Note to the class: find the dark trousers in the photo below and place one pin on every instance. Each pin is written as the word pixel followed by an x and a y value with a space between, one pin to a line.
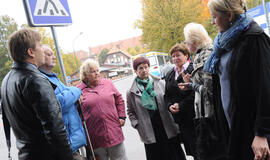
pixel 164 148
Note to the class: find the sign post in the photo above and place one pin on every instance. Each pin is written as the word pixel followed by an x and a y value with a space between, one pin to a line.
pixel 266 15
pixel 260 15
pixel 46 13
pixel 49 13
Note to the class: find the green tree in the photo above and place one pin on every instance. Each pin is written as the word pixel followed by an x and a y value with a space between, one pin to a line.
pixel 132 51
pixel 163 21
pixel 102 56
pixel 7 27
pixel 68 59
pixel 136 50
pixel 70 63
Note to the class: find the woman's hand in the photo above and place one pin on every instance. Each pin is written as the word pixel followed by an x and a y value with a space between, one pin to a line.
pixel 260 148
pixel 174 108
pixel 186 77
pixel 122 122
pixel 183 86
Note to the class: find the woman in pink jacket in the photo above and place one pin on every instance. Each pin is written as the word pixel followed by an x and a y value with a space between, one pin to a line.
pixel 104 111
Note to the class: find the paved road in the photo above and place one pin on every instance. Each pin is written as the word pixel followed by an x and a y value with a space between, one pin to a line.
pixel 134 147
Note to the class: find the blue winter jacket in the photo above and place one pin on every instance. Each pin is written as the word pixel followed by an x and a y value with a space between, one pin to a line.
pixel 67 97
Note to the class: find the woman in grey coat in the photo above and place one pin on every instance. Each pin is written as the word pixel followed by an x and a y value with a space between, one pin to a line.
pixel 150 117
pixel 198 41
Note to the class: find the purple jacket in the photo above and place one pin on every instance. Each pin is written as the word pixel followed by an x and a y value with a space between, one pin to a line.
pixel 102 106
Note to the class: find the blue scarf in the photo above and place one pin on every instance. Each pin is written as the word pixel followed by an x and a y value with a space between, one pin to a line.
pixel 224 42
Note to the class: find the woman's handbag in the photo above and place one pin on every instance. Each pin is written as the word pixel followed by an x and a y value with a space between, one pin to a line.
pixel 209 146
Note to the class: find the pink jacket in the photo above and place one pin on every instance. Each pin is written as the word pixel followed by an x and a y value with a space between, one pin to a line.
pixel 102 106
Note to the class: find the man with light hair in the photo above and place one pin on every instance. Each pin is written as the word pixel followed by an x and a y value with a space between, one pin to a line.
pixel 29 102
pixel 67 97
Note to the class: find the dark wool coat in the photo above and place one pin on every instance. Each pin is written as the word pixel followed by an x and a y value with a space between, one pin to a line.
pixel 249 110
pixel 185 99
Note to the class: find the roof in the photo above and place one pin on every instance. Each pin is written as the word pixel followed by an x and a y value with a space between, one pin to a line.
pixel 122 44
pixel 116 50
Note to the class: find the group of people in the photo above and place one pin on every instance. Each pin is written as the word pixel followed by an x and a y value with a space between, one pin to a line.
pixel 219 100
pixel 216 104
pixel 43 113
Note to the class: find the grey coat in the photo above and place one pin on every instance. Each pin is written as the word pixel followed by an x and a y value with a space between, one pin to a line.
pixel 140 118
pixel 203 84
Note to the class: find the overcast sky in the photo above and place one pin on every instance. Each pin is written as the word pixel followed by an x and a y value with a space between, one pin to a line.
pixel 101 21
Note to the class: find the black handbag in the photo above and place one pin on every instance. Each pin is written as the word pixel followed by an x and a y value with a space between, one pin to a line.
pixel 209 146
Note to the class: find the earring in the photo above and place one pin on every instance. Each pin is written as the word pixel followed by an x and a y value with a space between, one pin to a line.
pixel 230 23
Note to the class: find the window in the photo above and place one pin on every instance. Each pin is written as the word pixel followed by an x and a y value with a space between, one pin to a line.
pixel 152 61
pixel 160 60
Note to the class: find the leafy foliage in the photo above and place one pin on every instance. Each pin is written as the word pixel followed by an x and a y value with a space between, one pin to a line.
pixel 163 21
pixel 254 3
pixel 7 27
pixel 102 56
pixel 68 59
pixel 136 50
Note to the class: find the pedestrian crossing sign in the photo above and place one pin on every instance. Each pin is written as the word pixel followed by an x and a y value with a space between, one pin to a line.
pixel 258 15
pixel 42 13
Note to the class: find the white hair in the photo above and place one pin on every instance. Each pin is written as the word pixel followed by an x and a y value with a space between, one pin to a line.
pixel 196 33
pixel 86 67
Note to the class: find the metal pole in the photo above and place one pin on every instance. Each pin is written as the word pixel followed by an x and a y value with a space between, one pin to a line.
pixel 62 68
pixel 79 108
pixel 266 16
pixel 74 52
pixel 75 57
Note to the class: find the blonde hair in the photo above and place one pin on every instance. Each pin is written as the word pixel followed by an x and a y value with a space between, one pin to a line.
pixel 237 7
pixel 20 41
pixel 197 34
pixel 86 67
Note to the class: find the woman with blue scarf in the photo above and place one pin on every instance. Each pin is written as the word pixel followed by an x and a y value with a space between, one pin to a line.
pixel 150 117
pixel 240 65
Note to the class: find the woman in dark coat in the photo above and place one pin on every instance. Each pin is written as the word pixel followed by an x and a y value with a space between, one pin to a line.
pixel 240 64
pixel 179 102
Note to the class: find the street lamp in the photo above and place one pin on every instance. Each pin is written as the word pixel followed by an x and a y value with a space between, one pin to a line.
pixel 73 43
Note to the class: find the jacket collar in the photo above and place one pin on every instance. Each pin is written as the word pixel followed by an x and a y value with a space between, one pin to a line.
pixel 254 29
pixel 82 85
pixel 47 73
pixel 27 66
pixel 171 73
pixel 134 87
pixel 24 65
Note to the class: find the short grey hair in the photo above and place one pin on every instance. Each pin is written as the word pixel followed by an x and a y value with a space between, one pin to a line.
pixel 195 32
pixel 223 6
pixel 86 67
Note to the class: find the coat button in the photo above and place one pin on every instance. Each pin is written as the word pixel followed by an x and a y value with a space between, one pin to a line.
pixel 137 92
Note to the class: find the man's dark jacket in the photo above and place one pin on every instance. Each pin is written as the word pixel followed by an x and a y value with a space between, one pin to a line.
pixel 31 107
pixel 249 109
